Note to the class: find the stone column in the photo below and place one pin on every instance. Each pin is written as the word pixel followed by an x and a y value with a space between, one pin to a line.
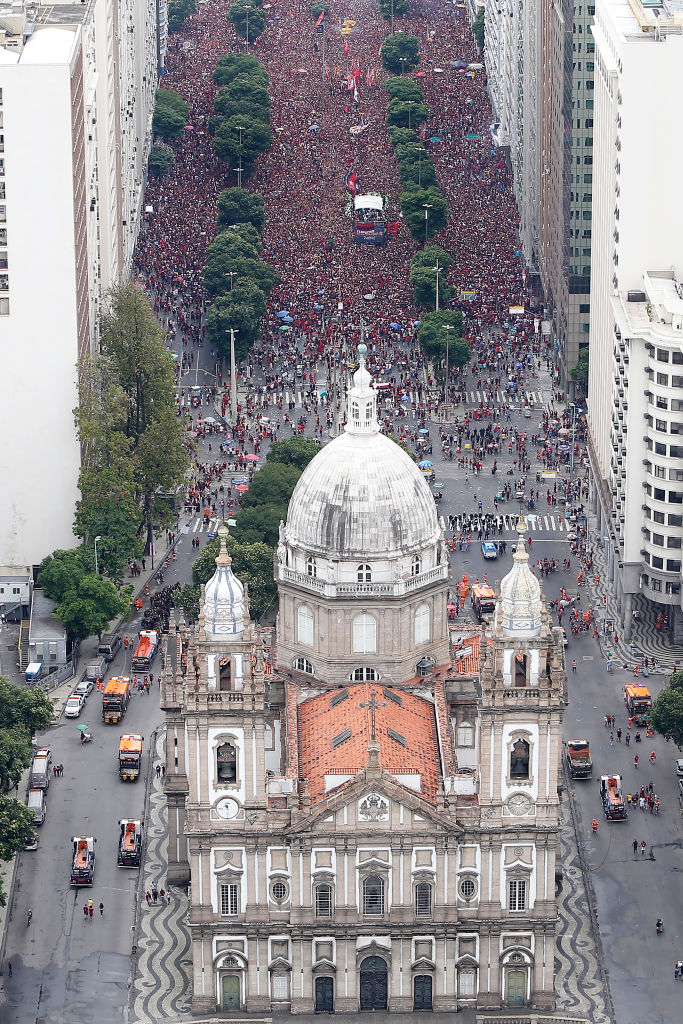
pixel 398 1003
pixel 346 993
pixel 543 997
pixel 203 983
pixel 627 616
pixel 257 994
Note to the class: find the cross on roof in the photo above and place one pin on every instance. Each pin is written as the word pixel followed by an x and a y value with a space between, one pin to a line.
pixel 373 704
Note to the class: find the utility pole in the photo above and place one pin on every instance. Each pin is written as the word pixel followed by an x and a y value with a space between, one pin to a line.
pixel 420 151
pixel 240 129
pixel 392 17
pixel 447 328
pixel 427 207
pixel 233 377
pixel 438 270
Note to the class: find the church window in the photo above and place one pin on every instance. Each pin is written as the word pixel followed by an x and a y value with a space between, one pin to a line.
pixel 303 665
pixel 422 624
pixel 355 413
pixel 416 566
pixel 226 763
pixel 229 900
pixel 467 888
pixel 423 899
pixel 397 737
pixel 517 894
pixel 373 895
pixel 340 738
pixel 363 675
pixel 519 760
pixel 364 634
pixel 323 900
pixel 465 735
pixel 279 891
pixel 304 625
pixel 364 574
pixel 466 982
pixel 311 567
pixel 520 669
pixel 225 680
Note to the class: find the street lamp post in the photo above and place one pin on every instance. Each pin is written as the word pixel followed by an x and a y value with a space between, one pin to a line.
pixel 240 128
pixel 420 151
pixel 409 104
pixel 572 406
pixel 427 207
pixel 437 270
pixel 246 10
pixel 97 572
pixel 233 376
pixel 447 328
pixel 403 61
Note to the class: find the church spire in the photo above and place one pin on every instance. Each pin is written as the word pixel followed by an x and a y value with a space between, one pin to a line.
pixel 362 400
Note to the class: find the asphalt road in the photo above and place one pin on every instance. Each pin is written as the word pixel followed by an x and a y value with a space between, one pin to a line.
pixel 66 968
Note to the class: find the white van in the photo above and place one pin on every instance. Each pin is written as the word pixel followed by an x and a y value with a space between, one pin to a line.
pixel 37 803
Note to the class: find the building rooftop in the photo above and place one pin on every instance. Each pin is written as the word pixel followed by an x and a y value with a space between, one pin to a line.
pixel 646 17
pixel 335 729
pixel 44 623
pixel 658 308
pixel 49 46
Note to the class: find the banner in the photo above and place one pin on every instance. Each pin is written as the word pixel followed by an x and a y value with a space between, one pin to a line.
pixel 319 21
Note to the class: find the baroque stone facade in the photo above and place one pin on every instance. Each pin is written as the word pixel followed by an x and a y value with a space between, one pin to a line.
pixel 356 843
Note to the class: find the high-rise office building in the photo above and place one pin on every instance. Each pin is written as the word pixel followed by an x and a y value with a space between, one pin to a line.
pixel 636 355
pixel 77 86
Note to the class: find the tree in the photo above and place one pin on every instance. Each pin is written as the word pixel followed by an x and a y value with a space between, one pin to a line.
pixel 170 113
pixel 17 829
pixel 406 115
pixel 247 233
pixel 248 20
pixel 231 144
pixel 242 309
pixel 413 205
pixel 667 713
pixel 173 100
pixel 403 89
pixel 579 373
pixel 295 451
pixel 428 256
pixel 216 273
pixel 246 88
pixel 416 173
pixel 260 525
pixel 272 485
pixel 403 136
pixel 403 445
pixel 160 160
pixel 232 65
pixel 423 280
pixel 23 712
pixel 432 337
pixel 393 8
pixel 479 28
pixel 318 8
pixel 90 608
pixel 400 53
pixel 178 11
pixel 108 510
pixel 239 206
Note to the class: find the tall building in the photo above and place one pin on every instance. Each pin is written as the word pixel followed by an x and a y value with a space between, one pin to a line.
pixel 77 86
pixel 636 267
pixel 513 67
pixel 367 821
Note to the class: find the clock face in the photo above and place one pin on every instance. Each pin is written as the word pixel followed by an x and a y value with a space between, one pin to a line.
pixel 519 804
pixel 227 808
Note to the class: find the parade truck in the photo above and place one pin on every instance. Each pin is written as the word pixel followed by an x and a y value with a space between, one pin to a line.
pixel 130 843
pixel 638 700
pixel 115 699
pixel 368 217
pixel 484 602
pixel 148 641
pixel 130 757
pixel 578 757
pixel 83 865
pixel 612 800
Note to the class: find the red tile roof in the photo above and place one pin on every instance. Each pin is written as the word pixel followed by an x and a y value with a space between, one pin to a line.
pixel 468 664
pixel 334 732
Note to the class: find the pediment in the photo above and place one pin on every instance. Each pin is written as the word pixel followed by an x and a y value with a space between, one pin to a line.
pixel 357 791
pixel 423 963
pixel 279 964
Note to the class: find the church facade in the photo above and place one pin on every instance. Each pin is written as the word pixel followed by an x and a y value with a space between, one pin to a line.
pixel 367 815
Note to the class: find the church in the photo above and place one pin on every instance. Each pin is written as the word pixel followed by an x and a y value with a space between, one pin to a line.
pixel 365 808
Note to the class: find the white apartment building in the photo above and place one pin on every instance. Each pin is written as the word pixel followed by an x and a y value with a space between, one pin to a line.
pixel 77 88
pixel 637 227
pixel 512 58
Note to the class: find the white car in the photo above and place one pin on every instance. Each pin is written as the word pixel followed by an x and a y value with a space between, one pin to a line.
pixel 84 688
pixel 74 705
pixel 679 767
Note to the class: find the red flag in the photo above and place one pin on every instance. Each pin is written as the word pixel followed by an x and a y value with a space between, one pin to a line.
pixel 346 47
pixel 322 15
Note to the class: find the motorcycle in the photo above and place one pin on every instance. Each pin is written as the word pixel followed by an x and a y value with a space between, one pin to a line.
pixel 660 926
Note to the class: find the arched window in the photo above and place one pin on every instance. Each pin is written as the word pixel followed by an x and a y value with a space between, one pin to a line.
pixel 364 574
pixel 311 567
pixel 226 763
pixel 304 625
pixel 373 895
pixel 355 412
pixel 423 899
pixel 323 900
pixel 363 675
pixel 364 634
pixel 416 566
pixel 303 665
pixel 519 760
pixel 465 735
pixel 422 624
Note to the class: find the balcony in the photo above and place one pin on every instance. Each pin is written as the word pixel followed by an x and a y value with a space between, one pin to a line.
pixel 397 588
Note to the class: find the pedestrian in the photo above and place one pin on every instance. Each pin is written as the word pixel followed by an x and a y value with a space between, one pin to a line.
pixel 155 894
pixel 635 847
pixel 91 911
pixel 148 897
pixel 162 895
pixel 158 770
pixel 163 771
pixel 676 972
pixel 643 847
pixel 618 735
pixel 611 739
pixel 9 968
pixel 574 665
pixel 101 909
pixel 627 738
pixel 85 911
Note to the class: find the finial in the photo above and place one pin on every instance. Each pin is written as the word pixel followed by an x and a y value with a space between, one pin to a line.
pixel 362 350
pixel 521 528
pixel 223 558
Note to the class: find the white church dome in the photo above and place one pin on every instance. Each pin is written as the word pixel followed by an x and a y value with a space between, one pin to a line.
pixel 362 494
pixel 520 607
pixel 223 596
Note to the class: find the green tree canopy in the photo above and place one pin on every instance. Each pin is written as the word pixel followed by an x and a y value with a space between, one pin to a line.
pixel 160 161
pixel 246 233
pixel 579 373
pixel 295 451
pixel 413 205
pixel 173 100
pixel 404 136
pixel 318 8
pixel 23 712
pixel 245 92
pixel 17 829
pixel 395 7
pixel 251 563
pixel 272 485
pixel 239 206
pixel 416 173
pixel 216 273
pixel 406 115
pixel 233 65
pixel 432 337
pixel 227 243
pixel 404 89
pixel 423 280
pixel 242 309
pixel 255 138
pixel 170 113
pixel 400 53
pixel 248 20
pixel 428 256
pixel 667 710
pixel 260 524
pixel 86 603
pixel 479 28
pixel 178 11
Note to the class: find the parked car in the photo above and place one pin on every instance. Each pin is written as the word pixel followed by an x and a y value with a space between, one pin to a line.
pixel 565 638
pixel 679 767
pixel 33 845
pixel 84 687
pixel 489 549
pixel 109 645
pixel 74 705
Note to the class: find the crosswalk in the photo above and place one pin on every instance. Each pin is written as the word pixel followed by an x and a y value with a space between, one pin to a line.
pixel 536 523
pixel 485 397
pixel 199 526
